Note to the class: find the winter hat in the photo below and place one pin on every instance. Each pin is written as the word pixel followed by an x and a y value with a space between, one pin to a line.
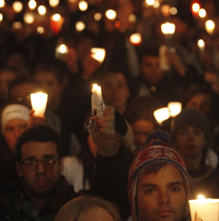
pixel 157 150
pixel 13 111
pixel 189 117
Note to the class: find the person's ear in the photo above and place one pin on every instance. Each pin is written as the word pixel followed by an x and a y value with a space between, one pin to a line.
pixel 19 169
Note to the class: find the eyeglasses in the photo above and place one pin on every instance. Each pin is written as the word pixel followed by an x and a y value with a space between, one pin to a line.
pixel 32 164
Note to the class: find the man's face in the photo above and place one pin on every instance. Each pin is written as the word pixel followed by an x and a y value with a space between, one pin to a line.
pixel 150 69
pixel 190 142
pixel 115 91
pixel 161 196
pixel 48 82
pixel 42 180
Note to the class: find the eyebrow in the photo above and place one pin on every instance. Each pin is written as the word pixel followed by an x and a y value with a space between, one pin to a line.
pixel 44 156
pixel 155 185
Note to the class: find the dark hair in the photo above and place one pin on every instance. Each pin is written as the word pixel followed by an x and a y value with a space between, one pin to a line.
pixel 57 67
pixel 196 89
pixel 141 107
pixel 39 133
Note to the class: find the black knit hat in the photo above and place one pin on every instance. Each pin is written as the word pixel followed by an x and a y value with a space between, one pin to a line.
pixel 189 117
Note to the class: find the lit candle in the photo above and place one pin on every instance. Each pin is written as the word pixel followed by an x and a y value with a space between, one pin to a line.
pixel 168 29
pixel 98 54
pixel 39 102
pixel 201 46
pixel 161 114
pixel 204 209
pixel 174 108
pixel 97 103
pixel 209 26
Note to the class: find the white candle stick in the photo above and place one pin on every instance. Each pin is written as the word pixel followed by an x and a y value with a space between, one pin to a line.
pixel 97 103
pixel 39 102
pixel 204 209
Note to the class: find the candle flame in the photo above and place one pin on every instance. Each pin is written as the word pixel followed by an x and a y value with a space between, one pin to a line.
pixel 200 197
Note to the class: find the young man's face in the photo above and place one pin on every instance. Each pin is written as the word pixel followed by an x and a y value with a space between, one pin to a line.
pixel 40 181
pixel 190 142
pixel 150 69
pixel 115 91
pixel 161 196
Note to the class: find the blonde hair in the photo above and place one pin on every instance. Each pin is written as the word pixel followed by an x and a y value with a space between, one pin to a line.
pixel 75 208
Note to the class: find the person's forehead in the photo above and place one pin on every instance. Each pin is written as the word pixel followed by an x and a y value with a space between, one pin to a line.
pixel 38 149
pixel 15 122
pixel 150 58
pixel 168 174
pixel 114 78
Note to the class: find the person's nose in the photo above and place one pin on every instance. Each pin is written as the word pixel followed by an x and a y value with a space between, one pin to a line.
pixel 40 168
pixel 164 197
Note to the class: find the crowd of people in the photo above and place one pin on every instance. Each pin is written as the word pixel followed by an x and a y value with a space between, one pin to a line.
pixel 72 164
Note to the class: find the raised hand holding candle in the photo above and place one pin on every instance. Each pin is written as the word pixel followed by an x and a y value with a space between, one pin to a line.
pixel 97 103
pixel 204 209
pixel 39 102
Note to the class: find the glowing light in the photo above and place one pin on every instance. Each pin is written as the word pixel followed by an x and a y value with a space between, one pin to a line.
pixel 1 17
pixel 28 18
pixel 80 26
pixel 83 6
pixel 132 18
pixel 42 10
pixel 39 102
pixel 63 49
pixel 161 114
pixel 201 43
pixel 202 13
pixel 17 25
pixel 149 2
pixel 200 197
pixel 40 30
pixel 2 3
pixel 195 7
pixel 98 54
pixel 209 26
pixel 168 28
pixel 32 4
pixel 156 4
pixel 165 9
pixel 111 14
pixel 56 17
pixel 53 3
pixel 135 38
pixel 174 108
pixel 17 6
pixel 173 11
pixel 97 16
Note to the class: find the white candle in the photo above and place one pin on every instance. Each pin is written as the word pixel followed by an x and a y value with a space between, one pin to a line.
pixel 209 26
pixel 161 114
pixel 204 209
pixel 98 54
pixel 39 102
pixel 174 108
pixel 96 98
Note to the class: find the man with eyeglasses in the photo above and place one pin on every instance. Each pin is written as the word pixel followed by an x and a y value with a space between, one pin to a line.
pixel 42 190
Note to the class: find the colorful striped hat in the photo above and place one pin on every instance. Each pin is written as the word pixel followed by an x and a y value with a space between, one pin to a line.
pixel 157 150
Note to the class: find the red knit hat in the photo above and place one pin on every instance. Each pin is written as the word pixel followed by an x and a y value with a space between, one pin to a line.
pixel 158 150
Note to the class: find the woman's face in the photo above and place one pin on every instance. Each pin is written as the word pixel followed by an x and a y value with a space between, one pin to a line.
pixel 190 142
pixel 12 130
